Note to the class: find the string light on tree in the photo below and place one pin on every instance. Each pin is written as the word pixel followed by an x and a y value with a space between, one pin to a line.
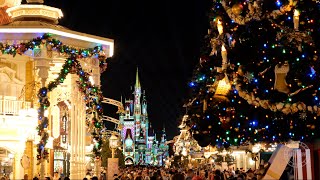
pixel 278 80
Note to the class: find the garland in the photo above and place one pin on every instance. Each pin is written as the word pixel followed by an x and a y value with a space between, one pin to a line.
pixel 284 107
pixel 255 11
pixel 92 94
pixel 57 45
pixel 289 36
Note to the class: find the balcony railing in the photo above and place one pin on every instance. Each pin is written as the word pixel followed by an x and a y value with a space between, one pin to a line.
pixel 10 106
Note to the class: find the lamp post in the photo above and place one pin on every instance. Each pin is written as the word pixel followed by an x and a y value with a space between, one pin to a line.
pixel 113 144
pixel 113 162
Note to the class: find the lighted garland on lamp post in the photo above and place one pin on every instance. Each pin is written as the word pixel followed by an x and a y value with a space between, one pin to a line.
pixel 93 94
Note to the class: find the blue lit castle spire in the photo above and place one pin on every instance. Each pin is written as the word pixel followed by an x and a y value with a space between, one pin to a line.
pixel 139 145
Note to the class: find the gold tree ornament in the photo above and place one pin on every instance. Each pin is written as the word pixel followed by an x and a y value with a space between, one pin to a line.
pixel 205 105
pixel 281 71
pixel 237 9
pixel 224 86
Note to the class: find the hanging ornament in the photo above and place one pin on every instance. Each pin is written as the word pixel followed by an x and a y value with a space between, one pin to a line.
pixel 281 71
pixel 237 9
pixel 205 105
pixel 224 86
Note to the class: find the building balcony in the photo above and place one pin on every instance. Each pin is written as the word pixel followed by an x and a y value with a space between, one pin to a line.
pixel 10 106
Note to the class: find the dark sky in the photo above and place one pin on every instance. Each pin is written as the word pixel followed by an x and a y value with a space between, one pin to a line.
pixel 162 38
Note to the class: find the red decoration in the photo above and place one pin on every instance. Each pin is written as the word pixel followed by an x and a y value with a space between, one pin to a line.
pixel 4 17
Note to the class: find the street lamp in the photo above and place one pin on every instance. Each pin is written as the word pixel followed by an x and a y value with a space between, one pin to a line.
pixel 113 143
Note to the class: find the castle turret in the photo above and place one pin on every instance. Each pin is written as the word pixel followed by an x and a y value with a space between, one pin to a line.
pixel 137 95
pixel 137 106
pixel 144 104
pixel 163 137
pixel 146 145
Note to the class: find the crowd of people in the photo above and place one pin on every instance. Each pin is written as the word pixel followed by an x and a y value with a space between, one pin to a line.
pixel 159 173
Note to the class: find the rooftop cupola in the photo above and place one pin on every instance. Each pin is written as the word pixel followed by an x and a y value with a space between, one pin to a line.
pixel 34 10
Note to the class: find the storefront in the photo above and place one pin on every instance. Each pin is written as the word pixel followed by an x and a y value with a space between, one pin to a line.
pixel 6 163
pixel 61 161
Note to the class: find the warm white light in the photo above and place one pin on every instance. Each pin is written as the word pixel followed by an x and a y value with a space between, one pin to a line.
pixel 256 148
pixel 55 76
pixel 296 13
pixel 23 112
pixel 113 141
pixel 50 143
pixel 32 113
pixel 224 152
pixel 219 26
pixel 61 33
pixel 184 151
pixel 11 156
pixel 55 122
pixel 251 162
pixel 207 155
pixel 223 48
pixel 46 113
pixel 91 80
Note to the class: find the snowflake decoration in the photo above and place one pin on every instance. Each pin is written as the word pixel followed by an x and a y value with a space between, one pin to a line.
pixel 249 76
pixel 303 115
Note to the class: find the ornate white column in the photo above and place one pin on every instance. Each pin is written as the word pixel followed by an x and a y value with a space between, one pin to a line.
pixel 73 167
pixel 245 160
pixel 78 105
pixel 18 168
pixel 82 130
pixel 42 63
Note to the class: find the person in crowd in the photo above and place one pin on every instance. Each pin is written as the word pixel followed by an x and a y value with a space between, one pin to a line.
pixel 94 178
pixel 190 174
pixel 181 173
pixel 56 176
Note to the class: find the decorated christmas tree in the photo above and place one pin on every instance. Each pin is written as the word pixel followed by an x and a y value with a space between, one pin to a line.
pixel 257 79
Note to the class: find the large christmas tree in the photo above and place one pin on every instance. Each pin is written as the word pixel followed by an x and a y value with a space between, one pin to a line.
pixel 257 79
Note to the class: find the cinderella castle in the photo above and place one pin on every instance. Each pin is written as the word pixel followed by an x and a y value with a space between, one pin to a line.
pixel 140 143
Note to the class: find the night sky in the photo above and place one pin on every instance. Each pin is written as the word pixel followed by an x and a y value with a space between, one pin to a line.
pixel 162 38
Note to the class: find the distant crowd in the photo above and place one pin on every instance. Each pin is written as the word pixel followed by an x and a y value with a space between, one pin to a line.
pixel 154 173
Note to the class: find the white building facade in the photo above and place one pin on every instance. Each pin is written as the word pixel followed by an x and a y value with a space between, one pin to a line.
pixel 22 75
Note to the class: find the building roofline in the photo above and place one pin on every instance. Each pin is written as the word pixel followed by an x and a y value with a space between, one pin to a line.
pixel 61 32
